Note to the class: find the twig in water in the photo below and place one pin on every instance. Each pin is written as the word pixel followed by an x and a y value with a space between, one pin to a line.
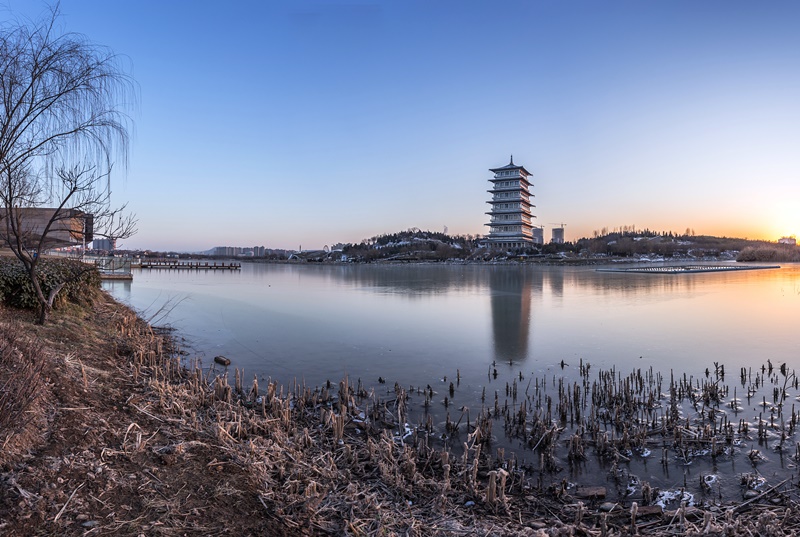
pixel 751 500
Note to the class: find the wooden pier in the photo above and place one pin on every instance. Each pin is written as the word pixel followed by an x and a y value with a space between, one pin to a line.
pixel 189 265
pixel 124 276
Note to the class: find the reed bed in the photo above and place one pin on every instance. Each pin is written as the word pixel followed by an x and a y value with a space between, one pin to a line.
pixel 341 459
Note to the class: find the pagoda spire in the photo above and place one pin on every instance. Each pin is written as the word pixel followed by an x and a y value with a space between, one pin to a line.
pixel 512 160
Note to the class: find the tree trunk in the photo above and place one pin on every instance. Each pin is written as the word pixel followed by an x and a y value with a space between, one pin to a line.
pixel 44 305
pixel 47 305
pixel 44 313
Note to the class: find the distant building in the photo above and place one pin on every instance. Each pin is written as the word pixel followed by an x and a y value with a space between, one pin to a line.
pixel 788 240
pixel 227 251
pixel 538 235
pixel 70 228
pixel 558 235
pixel 510 217
pixel 108 245
pixel 239 251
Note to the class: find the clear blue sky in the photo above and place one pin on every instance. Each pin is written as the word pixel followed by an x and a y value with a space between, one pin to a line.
pixel 309 123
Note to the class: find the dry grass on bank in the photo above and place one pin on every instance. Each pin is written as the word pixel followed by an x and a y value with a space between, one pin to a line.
pixel 770 253
pixel 110 435
pixel 22 392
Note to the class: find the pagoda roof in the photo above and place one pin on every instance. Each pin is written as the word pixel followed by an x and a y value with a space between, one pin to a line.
pixel 510 166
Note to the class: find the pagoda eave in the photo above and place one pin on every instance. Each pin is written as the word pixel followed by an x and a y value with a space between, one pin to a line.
pixel 520 179
pixel 510 168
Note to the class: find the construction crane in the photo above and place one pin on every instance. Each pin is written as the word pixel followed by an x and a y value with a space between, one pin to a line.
pixel 562 225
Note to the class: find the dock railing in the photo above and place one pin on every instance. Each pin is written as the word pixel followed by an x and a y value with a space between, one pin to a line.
pixel 117 267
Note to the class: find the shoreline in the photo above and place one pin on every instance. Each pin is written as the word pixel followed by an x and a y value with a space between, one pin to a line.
pixel 550 261
pixel 122 439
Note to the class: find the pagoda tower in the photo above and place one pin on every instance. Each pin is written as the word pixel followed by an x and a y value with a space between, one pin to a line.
pixel 510 218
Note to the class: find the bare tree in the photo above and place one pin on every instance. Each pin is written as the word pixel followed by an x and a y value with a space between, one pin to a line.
pixel 62 120
pixel 84 212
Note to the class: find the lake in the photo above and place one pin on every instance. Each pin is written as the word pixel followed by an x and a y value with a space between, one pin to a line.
pixel 487 328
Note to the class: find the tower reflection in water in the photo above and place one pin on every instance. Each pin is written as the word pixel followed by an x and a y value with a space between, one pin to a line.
pixel 511 293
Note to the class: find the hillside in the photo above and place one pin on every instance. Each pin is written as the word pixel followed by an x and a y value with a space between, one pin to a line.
pixel 416 245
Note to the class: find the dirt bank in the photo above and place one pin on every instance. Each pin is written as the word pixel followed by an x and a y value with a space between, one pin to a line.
pixel 104 432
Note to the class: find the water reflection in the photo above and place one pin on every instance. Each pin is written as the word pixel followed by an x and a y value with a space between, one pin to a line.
pixel 411 280
pixel 510 296
pixel 415 280
pixel 121 289
pixel 333 319
pixel 556 282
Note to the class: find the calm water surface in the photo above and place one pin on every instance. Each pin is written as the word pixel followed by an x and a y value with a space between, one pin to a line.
pixel 417 325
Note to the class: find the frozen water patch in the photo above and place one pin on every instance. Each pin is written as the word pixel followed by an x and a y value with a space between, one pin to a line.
pixel 667 497
pixel 407 431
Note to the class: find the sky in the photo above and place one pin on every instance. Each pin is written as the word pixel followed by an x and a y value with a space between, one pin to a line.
pixel 304 124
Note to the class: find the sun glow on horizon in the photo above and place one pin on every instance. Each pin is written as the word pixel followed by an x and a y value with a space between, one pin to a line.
pixel 785 219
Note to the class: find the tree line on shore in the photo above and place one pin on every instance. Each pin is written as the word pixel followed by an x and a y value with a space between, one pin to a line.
pixel 625 242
